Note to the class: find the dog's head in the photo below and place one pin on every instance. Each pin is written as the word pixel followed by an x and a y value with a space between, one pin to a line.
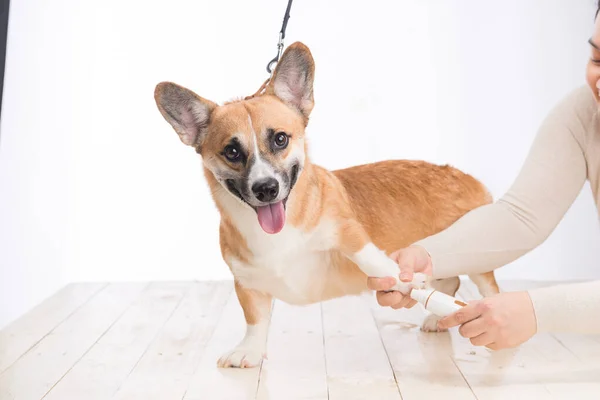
pixel 254 148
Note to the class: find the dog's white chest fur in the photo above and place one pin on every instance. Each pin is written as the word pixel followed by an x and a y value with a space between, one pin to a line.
pixel 291 265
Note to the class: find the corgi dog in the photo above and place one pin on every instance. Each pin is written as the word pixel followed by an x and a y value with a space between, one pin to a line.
pixel 295 231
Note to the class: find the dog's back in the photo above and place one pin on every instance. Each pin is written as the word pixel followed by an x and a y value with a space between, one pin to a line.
pixel 399 201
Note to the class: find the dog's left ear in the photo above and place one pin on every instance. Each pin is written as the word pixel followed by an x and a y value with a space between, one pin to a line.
pixel 293 78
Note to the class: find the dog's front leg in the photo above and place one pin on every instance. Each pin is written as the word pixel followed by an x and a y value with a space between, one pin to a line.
pixel 355 244
pixel 252 349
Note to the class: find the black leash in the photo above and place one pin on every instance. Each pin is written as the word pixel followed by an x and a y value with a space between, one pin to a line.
pixel 275 60
pixel 281 37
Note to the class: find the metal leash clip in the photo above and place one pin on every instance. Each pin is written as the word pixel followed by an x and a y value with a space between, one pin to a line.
pixel 275 60
pixel 286 17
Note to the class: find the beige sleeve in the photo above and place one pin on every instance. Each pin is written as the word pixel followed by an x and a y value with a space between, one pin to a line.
pixel 571 307
pixel 548 183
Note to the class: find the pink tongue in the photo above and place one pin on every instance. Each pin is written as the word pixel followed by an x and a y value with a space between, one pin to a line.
pixel 272 217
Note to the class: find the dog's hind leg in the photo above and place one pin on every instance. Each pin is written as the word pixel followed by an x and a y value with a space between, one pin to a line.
pixel 486 283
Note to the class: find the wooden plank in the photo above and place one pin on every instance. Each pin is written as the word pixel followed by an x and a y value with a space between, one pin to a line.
pixel 422 362
pixel 20 336
pixel 103 369
pixel 110 342
pixel 579 379
pixel 34 374
pixel 165 369
pixel 295 368
pixel 224 383
pixel 584 347
pixel 357 364
pixel 565 373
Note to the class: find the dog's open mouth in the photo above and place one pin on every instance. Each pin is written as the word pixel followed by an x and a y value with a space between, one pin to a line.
pixel 271 217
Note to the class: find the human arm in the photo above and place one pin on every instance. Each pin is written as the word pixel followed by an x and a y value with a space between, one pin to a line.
pixel 550 179
pixel 509 319
pixel 496 234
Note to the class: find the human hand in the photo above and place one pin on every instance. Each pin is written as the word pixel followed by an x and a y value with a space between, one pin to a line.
pixel 410 260
pixel 501 321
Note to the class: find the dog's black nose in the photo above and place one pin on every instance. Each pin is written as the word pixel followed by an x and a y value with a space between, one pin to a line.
pixel 266 189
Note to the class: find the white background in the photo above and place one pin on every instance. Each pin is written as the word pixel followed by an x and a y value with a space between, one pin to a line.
pixel 95 185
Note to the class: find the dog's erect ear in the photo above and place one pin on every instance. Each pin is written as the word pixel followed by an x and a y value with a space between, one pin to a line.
pixel 293 77
pixel 188 113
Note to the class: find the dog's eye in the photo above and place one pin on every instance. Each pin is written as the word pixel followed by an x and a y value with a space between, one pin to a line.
pixel 280 140
pixel 232 153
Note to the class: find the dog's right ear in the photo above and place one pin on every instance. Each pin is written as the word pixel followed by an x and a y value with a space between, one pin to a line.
pixel 188 113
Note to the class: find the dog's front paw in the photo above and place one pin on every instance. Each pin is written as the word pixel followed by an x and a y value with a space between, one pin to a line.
pixel 241 357
pixel 430 324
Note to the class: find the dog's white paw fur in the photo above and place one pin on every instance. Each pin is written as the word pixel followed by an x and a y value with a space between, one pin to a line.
pixel 242 357
pixel 421 281
pixel 430 324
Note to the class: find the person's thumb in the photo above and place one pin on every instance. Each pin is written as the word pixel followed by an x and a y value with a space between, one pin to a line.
pixel 396 254
pixel 406 276
pixel 406 265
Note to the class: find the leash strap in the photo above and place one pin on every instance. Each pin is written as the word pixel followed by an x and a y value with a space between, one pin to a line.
pixel 275 60
pixel 286 17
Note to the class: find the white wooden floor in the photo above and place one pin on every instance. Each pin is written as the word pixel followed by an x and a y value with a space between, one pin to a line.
pixel 161 341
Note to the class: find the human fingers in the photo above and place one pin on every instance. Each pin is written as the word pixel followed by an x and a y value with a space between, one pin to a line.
pixel 485 339
pixel 473 328
pixel 406 263
pixel 381 283
pixel 403 303
pixel 464 315
pixel 388 299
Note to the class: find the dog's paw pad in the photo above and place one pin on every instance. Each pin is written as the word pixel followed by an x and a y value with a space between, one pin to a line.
pixel 430 324
pixel 241 358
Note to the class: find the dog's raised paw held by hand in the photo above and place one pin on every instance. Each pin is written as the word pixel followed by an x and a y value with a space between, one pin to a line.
pixel 241 357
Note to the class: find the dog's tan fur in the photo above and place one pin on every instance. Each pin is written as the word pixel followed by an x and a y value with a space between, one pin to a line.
pixel 386 205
